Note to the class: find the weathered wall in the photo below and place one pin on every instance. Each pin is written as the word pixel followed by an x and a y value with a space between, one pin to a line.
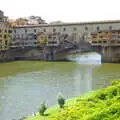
pixel 26 53
pixel 109 54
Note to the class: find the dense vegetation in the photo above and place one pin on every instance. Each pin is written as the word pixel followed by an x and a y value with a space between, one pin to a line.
pixel 103 104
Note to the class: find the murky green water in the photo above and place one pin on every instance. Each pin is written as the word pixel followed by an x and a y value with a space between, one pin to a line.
pixel 23 85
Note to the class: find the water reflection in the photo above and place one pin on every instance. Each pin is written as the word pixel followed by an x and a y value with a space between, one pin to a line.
pixel 86 58
pixel 21 94
pixel 82 79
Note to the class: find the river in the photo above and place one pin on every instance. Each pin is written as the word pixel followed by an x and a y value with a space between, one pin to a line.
pixel 25 84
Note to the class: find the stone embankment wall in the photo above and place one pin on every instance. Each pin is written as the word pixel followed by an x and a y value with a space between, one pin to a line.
pixel 22 54
pixel 109 54
pixel 26 54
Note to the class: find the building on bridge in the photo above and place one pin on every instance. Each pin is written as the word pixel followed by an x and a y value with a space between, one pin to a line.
pixel 25 36
pixel 105 38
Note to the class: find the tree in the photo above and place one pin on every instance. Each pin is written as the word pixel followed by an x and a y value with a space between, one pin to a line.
pixel 42 108
pixel 61 100
pixel 18 21
pixel 12 22
pixel 21 21
pixel 35 20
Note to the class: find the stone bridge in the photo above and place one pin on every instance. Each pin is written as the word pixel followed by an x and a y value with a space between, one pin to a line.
pixel 109 50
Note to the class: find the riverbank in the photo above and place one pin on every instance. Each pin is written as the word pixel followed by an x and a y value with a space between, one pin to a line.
pixel 97 105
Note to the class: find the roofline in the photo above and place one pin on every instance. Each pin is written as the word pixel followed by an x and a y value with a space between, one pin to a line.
pixel 67 24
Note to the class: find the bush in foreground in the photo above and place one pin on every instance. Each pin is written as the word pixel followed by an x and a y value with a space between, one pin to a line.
pixel 103 104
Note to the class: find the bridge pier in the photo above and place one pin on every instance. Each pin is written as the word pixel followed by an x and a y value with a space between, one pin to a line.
pixel 111 54
pixel 49 54
pixel 108 53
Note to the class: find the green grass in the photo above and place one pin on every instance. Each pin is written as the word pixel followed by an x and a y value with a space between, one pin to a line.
pixel 103 104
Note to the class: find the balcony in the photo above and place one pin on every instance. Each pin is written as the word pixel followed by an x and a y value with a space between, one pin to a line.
pixel 105 42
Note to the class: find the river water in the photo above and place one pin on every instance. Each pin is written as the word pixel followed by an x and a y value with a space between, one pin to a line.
pixel 25 84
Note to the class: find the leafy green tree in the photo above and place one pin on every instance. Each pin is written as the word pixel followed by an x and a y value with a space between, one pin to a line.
pixel 42 108
pixel 61 100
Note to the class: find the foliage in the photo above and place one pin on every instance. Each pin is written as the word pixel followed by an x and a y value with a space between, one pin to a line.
pixel 31 20
pixel 42 108
pixel 61 100
pixel 103 104
pixel 35 20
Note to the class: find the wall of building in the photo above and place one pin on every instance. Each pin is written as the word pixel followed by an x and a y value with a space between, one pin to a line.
pixel 77 31
pixel 5 33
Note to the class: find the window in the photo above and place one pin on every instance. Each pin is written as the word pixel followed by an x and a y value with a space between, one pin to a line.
pixel 98 28
pixel 54 30
pixel 35 37
pixel 44 30
pixel 52 42
pixel 5 31
pixel 22 35
pixel 10 31
pixel 86 28
pixel 64 29
pixel 25 30
pixel 110 27
pixel 34 30
pixel 5 36
pixel 6 42
pixel 14 31
pixel 75 29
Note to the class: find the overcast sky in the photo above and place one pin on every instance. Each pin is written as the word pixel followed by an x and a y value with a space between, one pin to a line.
pixel 64 10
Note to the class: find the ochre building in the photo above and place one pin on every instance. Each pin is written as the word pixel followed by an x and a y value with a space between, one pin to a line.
pixel 5 33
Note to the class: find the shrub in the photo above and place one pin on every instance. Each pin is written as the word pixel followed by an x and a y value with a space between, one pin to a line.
pixel 61 100
pixel 42 108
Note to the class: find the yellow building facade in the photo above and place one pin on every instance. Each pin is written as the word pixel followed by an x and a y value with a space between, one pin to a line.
pixel 5 33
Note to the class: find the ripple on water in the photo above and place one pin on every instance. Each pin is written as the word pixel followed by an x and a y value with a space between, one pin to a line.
pixel 25 91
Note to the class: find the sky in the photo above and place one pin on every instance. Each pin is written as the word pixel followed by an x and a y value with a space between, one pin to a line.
pixel 63 10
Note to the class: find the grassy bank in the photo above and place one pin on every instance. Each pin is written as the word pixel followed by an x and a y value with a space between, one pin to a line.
pixel 103 104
